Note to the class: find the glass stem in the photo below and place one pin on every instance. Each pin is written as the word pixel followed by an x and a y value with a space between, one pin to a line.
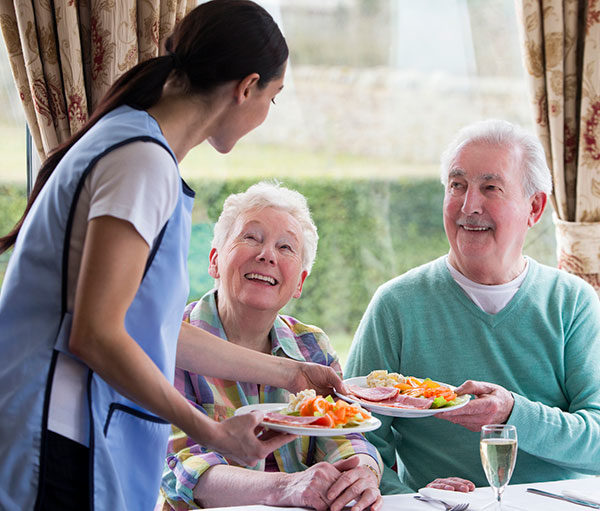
pixel 499 499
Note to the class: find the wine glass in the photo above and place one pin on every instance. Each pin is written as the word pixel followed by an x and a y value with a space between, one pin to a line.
pixel 498 448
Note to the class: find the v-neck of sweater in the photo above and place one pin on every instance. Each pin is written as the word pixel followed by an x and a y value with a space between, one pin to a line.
pixel 492 320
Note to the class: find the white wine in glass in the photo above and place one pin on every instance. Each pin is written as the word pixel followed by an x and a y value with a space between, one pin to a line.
pixel 498 448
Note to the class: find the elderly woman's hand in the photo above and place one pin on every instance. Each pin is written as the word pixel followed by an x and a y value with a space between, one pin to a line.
pixel 331 486
pixel 308 375
pixel 358 483
pixel 309 487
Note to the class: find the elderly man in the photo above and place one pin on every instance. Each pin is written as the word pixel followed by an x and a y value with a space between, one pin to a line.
pixel 524 335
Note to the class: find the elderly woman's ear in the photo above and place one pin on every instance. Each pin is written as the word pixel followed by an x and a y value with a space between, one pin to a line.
pixel 213 266
pixel 298 291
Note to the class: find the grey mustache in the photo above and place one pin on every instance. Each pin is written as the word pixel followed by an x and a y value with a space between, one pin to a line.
pixel 471 222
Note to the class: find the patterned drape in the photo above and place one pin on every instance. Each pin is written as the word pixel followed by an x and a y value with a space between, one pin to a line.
pixel 65 54
pixel 561 52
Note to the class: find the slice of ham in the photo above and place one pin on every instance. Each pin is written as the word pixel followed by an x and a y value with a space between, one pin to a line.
pixel 404 401
pixel 388 396
pixel 291 420
pixel 373 393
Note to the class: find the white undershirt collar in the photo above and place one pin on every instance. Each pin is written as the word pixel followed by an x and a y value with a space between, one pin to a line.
pixel 491 299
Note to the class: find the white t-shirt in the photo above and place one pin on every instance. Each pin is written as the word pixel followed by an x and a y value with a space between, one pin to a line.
pixel 138 182
pixel 491 299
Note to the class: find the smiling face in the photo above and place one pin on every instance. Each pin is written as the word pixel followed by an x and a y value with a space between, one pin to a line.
pixel 260 264
pixel 248 111
pixel 486 213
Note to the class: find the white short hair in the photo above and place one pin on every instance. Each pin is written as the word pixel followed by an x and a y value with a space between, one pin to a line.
pixel 536 175
pixel 264 195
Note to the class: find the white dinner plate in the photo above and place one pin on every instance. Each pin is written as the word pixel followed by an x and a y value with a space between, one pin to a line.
pixel 407 413
pixel 368 425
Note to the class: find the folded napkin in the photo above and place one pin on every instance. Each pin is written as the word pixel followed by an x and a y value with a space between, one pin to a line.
pixel 478 501
pixel 591 496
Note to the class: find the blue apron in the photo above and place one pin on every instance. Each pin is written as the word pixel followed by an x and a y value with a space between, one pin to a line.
pixel 127 443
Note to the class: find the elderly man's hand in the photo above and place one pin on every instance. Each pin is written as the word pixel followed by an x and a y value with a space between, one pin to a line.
pixel 492 406
pixel 308 375
pixel 452 484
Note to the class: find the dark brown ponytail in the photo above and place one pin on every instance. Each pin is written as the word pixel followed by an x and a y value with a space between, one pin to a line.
pixel 218 41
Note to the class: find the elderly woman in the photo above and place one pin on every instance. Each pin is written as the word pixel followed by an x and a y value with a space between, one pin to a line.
pixel 264 245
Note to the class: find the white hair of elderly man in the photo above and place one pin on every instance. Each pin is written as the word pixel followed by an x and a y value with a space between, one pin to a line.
pixel 537 176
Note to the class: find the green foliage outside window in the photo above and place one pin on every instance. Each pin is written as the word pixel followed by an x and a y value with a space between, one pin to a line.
pixel 12 204
pixel 369 230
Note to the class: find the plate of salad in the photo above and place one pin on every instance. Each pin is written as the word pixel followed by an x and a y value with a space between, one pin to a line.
pixel 402 396
pixel 307 414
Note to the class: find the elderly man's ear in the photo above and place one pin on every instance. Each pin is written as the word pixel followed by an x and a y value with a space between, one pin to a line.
pixel 538 203
pixel 213 266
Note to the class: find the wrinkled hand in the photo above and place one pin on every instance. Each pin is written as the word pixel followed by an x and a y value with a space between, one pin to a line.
pixel 308 375
pixel 452 483
pixel 332 485
pixel 357 483
pixel 309 487
pixel 241 439
pixel 493 405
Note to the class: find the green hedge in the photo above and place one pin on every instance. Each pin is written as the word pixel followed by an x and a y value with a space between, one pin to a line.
pixel 12 204
pixel 370 231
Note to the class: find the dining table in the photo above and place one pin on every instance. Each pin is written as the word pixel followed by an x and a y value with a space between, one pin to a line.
pixel 515 496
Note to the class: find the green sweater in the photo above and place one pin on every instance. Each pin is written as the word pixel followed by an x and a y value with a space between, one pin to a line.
pixel 544 347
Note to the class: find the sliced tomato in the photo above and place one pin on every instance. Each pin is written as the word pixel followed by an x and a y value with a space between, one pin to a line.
pixel 308 408
pixel 321 405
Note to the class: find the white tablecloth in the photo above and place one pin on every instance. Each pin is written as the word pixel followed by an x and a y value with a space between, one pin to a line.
pixel 514 495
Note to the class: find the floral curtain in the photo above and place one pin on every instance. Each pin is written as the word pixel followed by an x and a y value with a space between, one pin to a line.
pixel 65 54
pixel 561 52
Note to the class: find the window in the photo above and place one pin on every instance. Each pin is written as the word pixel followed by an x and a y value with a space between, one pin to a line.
pixel 13 162
pixel 375 89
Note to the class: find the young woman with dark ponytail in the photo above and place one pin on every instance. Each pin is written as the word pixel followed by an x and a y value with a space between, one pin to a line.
pixel 94 293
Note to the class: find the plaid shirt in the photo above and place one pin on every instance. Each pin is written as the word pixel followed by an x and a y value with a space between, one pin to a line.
pixel 187 461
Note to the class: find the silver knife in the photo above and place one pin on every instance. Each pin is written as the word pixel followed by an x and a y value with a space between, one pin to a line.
pixel 562 497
